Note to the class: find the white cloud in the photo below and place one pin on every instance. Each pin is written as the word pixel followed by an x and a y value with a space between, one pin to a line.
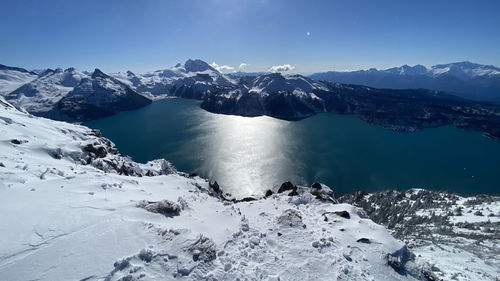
pixel 281 68
pixel 222 68
pixel 243 65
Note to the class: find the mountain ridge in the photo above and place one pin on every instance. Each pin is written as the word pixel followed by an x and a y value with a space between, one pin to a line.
pixel 289 97
pixel 465 79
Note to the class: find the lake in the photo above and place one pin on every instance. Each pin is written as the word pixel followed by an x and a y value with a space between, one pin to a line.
pixel 247 156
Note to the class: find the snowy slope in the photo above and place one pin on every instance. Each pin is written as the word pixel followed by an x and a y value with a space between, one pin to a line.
pixel 98 96
pixel 12 78
pixel 42 94
pixel 70 212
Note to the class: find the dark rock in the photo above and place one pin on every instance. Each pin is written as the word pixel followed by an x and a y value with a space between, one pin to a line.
pixel 279 234
pixel 121 264
pixel 364 240
pixel 96 132
pixel 14 141
pixel 286 186
pixel 268 193
pixel 99 150
pixel 146 255
pixel 316 185
pixel 294 192
pixel 322 192
pixel 246 199
pixel 215 186
pixel 344 214
pixel 398 259
pixel 2 164
pixel 192 175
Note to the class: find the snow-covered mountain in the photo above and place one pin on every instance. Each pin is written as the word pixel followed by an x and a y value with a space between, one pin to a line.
pixel 73 95
pixel 98 96
pixel 41 95
pixel 12 78
pixel 294 97
pixel 288 97
pixel 194 76
pixel 464 70
pixel 72 208
pixel 68 94
pixel 464 79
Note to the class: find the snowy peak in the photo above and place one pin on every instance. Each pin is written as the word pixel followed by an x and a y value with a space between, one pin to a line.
pixel 194 76
pixel 99 74
pixel 99 96
pixel 197 66
pixel 465 70
pixel 409 70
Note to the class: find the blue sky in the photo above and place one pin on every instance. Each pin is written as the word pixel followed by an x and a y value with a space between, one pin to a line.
pixel 309 35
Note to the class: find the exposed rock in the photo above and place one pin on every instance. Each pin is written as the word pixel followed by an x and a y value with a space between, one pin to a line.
pixel 268 193
pixel 322 192
pixel 364 240
pixel 294 192
pixel 291 218
pixel 344 214
pixel 247 199
pixel 204 250
pixel 99 150
pixel 215 186
pixel 16 141
pixel 164 207
pixel 146 255
pixel 286 186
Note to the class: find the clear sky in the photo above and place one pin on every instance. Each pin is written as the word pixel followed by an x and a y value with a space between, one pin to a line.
pixel 309 35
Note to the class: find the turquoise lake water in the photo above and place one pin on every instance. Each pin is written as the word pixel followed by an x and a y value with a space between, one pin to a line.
pixel 249 155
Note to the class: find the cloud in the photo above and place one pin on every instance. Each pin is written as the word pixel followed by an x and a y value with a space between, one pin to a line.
pixel 222 68
pixel 243 65
pixel 281 68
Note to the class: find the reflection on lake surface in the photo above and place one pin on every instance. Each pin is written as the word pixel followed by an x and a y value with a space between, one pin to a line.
pixel 249 155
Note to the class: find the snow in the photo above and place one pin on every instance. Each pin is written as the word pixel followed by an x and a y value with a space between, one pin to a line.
pixel 68 216
pixel 11 79
pixel 41 94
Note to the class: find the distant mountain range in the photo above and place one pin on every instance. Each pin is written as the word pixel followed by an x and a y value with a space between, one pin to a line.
pixel 73 95
pixel 463 79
